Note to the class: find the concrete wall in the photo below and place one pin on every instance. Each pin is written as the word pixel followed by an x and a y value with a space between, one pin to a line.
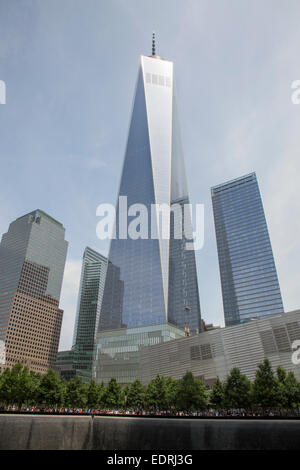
pixel 113 433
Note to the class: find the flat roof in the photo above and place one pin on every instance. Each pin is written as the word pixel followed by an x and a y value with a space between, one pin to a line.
pixel 42 213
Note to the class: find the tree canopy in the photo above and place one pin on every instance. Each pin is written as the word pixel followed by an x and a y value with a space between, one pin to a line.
pixel 280 390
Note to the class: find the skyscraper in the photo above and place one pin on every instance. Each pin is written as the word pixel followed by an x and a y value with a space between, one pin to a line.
pixel 151 290
pixel 32 261
pixel 250 286
pixel 93 273
pixel 155 279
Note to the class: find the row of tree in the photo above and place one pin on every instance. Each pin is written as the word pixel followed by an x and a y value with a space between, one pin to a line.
pixel 20 387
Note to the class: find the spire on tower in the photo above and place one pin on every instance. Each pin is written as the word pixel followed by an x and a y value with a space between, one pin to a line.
pixel 153 44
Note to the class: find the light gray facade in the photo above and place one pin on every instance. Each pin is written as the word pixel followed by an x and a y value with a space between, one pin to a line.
pixel 214 353
pixel 38 238
pixel 32 260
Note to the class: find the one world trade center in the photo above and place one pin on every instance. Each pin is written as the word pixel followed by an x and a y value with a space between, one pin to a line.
pixel 152 280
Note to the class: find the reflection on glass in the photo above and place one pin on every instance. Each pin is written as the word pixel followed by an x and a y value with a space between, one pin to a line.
pixel 249 280
pixel 151 281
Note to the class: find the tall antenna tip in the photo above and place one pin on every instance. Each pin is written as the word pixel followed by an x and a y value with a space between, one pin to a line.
pixel 153 43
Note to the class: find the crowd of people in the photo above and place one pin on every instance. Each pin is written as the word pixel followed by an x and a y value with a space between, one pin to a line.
pixel 141 412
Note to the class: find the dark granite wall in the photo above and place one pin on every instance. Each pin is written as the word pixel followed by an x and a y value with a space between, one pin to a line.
pixel 113 433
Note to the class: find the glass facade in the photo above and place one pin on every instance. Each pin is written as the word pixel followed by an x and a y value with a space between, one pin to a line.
pixel 152 280
pixel 118 351
pixel 250 286
pixel 93 273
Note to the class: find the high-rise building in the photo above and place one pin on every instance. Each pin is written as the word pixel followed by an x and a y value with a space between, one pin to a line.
pixel 151 290
pixel 32 261
pixel 79 360
pixel 157 276
pixel 93 273
pixel 250 286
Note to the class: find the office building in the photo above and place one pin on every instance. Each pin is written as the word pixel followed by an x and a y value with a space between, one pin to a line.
pixel 250 286
pixel 151 279
pixel 78 360
pixel 157 276
pixel 32 260
pixel 93 274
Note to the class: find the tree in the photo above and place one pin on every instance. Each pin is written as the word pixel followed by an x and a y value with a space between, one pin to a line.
pixel 15 379
pixel 15 385
pixel 192 394
pixel 76 393
pixel 237 390
pixel 217 395
pixel 171 387
pixel 93 395
pixel 113 395
pixel 101 389
pixel 135 395
pixel 5 387
pixel 281 387
pixel 35 387
pixel 288 389
pixel 156 393
pixel 265 386
pixel 24 386
pixel 292 390
pixel 51 390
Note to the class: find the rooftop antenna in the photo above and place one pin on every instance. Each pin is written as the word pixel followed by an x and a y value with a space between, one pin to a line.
pixel 153 44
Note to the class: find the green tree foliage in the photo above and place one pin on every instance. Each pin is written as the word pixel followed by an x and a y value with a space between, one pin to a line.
pixel 24 387
pixel 16 386
pixel 51 390
pixel 5 387
pixel 265 386
pixel 156 393
pixel 237 390
pixel 288 389
pixel 19 387
pixel 101 389
pixel 171 387
pixel 93 395
pixel 35 388
pixel 217 395
pixel 192 394
pixel 135 395
pixel 292 391
pixel 113 395
pixel 76 393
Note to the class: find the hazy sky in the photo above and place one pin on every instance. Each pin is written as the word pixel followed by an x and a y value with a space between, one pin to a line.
pixel 70 68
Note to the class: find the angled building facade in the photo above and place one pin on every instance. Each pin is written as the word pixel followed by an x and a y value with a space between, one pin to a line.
pixel 151 290
pixel 32 260
pixel 154 279
pixel 93 273
pixel 250 286
pixel 79 360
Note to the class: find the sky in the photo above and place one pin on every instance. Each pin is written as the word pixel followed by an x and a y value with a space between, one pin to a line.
pixel 70 68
